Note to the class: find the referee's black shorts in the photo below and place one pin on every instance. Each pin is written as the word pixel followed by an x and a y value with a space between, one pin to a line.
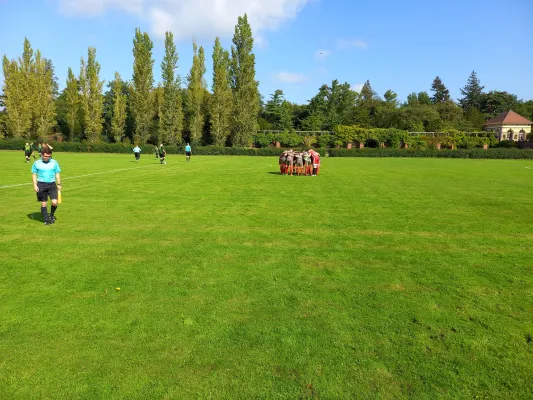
pixel 46 189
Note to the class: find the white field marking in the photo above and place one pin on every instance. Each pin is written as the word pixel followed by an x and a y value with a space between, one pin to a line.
pixel 80 176
pixel 529 167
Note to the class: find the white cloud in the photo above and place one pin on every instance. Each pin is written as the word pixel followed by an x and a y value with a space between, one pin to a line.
pixel 290 77
pixel 322 54
pixel 357 87
pixel 344 44
pixel 188 18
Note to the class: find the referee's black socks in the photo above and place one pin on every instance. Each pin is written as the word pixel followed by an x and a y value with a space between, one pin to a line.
pixel 44 211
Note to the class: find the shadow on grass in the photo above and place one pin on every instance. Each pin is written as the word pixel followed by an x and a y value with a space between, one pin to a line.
pixel 36 216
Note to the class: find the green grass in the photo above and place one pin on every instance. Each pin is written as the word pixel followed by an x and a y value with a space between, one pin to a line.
pixel 378 279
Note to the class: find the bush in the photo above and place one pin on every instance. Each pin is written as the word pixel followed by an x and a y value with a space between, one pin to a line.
pixel 445 153
pixel 495 153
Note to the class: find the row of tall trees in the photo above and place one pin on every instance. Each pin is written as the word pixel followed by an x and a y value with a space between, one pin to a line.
pixel 137 111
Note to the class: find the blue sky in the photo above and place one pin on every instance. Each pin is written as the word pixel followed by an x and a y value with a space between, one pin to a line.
pixel 300 44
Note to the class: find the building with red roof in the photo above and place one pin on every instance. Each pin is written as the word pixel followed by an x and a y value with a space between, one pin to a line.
pixel 509 125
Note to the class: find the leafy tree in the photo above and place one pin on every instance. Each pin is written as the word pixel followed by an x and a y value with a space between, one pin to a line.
pixel 441 93
pixel 245 87
pixel 474 119
pixel 331 106
pixel 386 115
pixel 44 111
pixel 391 98
pixel 424 99
pixel 286 116
pixel 72 99
pixel 412 99
pixel 220 107
pixel 143 81
pixel 53 78
pixel 450 114
pixel 495 102
pixel 366 106
pixel 18 92
pixel 195 94
pixel 472 93
pixel 157 115
pixel 118 120
pixel 172 109
pixel 273 109
pixel 91 98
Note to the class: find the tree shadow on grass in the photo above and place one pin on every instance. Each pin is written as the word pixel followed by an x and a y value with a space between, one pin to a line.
pixel 36 216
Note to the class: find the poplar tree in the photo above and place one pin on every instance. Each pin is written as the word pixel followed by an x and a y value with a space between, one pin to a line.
pixel 92 100
pixel 245 87
pixel 143 81
pixel 18 88
pixel 157 114
pixel 44 111
pixel 172 110
pixel 195 94
pixel 220 107
pixel 118 120
pixel 72 98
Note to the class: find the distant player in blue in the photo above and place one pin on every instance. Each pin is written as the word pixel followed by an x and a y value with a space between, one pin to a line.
pixel 45 175
pixel 137 152
pixel 188 152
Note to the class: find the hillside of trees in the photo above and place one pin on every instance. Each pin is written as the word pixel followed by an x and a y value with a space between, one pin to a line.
pixel 179 110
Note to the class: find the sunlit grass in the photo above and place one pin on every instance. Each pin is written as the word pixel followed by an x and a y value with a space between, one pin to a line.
pixel 380 278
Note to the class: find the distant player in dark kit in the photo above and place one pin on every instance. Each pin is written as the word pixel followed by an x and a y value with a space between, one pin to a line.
pixel 137 153
pixel 156 152
pixel 188 152
pixel 283 163
pixel 27 151
pixel 162 154
pixel 46 183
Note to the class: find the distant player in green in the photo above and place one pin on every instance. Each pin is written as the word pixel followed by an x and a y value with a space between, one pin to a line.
pixel 46 182
pixel 27 151
pixel 162 154
pixel 188 152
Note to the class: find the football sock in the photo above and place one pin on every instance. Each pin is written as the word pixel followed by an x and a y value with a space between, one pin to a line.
pixel 44 211
pixel 53 209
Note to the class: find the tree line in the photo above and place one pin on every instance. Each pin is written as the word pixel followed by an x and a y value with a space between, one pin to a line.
pixel 230 114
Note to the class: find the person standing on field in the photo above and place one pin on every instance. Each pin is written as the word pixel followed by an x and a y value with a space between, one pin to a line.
pixel 137 152
pixel 46 183
pixel 27 152
pixel 188 152
pixel 162 154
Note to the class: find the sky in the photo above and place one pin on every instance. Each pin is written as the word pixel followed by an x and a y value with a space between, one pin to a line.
pixel 299 45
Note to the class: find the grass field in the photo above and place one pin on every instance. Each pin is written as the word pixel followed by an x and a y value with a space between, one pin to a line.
pixel 378 279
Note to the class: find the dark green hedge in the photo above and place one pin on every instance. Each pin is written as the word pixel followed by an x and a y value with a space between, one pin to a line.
pixel 498 153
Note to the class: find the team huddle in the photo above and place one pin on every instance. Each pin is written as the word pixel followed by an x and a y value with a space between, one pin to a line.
pixel 299 162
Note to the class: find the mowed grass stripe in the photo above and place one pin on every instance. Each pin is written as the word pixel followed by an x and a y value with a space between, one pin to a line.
pixel 380 278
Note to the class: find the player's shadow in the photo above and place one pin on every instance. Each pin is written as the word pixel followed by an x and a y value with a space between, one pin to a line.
pixel 275 173
pixel 36 216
